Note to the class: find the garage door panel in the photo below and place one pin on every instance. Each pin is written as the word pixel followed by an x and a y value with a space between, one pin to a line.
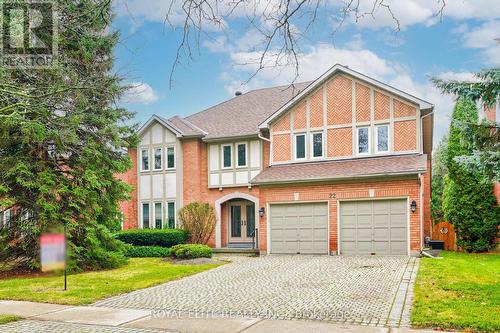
pixel 348 208
pixel 398 234
pixel 320 222
pixel 398 220
pixel 381 221
pixel 364 235
pixel 381 207
pixel 398 207
pixel 306 221
pixel 381 247
pixel 364 221
pixel 363 247
pixel 349 234
pixel 398 247
pixel 373 226
pixel 381 234
pixel 304 228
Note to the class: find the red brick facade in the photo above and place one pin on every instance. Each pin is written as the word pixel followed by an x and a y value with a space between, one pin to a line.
pixel 331 105
pixel 129 208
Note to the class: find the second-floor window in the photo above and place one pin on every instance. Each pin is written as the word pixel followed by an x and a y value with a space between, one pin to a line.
pixel 382 138
pixel 242 155
pixel 227 156
pixel 157 157
pixel 300 146
pixel 317 145
pixel 363 140
pixel 170 158
pixel 144 159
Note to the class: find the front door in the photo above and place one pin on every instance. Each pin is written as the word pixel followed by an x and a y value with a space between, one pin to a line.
pixel 241 222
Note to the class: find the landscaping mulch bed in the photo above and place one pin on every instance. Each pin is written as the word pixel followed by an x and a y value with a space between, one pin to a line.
pixel 196 261
pixel 22 273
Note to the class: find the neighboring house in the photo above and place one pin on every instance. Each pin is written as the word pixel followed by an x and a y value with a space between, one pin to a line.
pixel 493 114
pixel 340 165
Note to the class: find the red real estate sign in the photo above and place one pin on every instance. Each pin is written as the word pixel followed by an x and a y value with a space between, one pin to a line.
pixel 52 252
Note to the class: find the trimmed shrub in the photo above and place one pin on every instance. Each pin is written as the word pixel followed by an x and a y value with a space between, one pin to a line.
pixel 198 219
pixel 147 251
pixel 190 251
pixel 153 237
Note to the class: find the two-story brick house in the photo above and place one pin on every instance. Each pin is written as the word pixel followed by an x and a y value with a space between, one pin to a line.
pixel 340 165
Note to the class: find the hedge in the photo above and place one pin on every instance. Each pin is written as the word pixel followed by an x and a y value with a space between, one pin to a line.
pixel 190 251
pixel 147 251
pixel 153 237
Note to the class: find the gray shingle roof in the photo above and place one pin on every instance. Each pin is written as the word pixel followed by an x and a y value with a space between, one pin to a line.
pixel 345 169
pixel 241 115
pixel 185 127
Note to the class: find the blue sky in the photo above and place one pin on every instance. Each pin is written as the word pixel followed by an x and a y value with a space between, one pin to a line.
pixel 463 42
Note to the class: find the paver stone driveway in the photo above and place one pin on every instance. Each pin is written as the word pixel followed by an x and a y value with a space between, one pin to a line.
pixel 373 290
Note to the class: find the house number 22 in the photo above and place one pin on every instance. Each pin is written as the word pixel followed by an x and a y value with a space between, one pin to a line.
pixel 332 195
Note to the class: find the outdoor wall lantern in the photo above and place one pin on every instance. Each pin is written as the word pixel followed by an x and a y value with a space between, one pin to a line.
pixel 261 211
pixel 413 206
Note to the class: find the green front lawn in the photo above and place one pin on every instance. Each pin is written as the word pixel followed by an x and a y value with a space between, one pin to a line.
pixel 461 291
pixel 89 287
pixel 4 318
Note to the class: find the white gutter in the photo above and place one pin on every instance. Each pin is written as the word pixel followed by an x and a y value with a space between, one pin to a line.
pixel 421 209
pixel 263 138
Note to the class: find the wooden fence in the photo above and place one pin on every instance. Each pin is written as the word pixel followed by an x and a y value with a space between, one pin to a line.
pixel 445 231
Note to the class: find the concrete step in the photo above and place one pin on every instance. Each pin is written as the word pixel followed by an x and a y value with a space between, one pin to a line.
pixel 236 251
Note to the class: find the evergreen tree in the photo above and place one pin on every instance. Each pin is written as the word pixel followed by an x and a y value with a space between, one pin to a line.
pixel 439 171
pixel 468 201
pixel 63 140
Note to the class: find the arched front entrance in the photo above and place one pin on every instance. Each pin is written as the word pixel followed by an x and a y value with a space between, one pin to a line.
pixel 237 220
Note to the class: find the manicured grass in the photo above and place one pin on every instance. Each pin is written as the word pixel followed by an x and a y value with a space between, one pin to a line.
pixel 4 319
pixel 85 288
pixel 461 291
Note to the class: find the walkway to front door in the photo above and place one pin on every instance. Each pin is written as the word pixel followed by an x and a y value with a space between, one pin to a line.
pixel 241 222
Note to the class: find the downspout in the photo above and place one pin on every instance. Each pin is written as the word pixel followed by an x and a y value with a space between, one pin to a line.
pixel 263 138
pixel 421 208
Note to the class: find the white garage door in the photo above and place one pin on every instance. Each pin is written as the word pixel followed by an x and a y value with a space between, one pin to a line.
pixel 373 227
pixel 299 228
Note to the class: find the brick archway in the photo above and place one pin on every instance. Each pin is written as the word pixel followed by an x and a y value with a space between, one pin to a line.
pixel 220 201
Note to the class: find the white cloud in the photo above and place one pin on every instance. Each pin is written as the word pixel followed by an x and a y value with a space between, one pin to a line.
pixel 483 38
pixel 140 93
pixel 356 43
pixel 411 12
pixel 320 58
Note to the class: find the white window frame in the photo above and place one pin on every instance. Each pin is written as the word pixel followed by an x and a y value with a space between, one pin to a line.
pixel 295 147
pixel 230 145
pixel 238 155
pixel 166 158
pixel 142 215
pixel 388 139
pixel 166 212
pixel 357 141
pixel 154 214
pixel 149 159
pixel 311 144
pixel 154 158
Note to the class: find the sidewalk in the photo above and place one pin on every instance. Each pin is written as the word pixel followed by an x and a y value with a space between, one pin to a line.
pixel 42 317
